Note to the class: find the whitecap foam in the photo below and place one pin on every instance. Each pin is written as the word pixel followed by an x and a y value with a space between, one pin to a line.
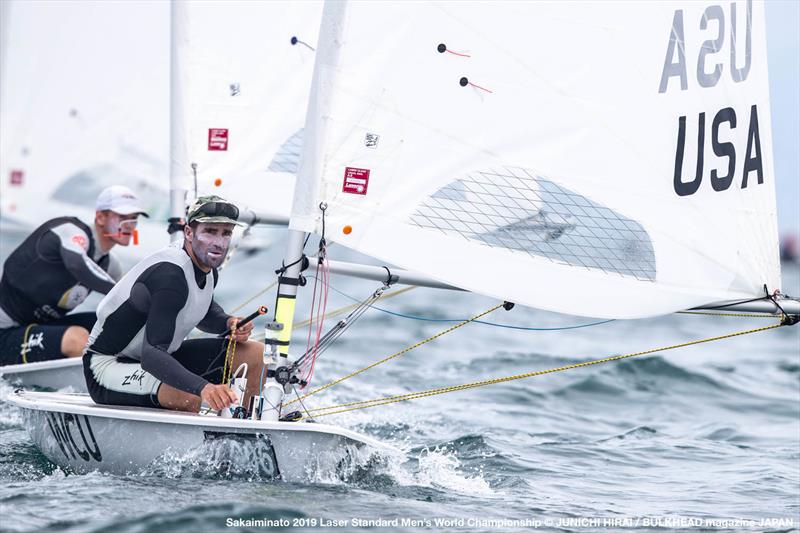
pixel 9 415
pixel 439 468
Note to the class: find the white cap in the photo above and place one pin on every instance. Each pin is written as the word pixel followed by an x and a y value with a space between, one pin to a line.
pixel 119 199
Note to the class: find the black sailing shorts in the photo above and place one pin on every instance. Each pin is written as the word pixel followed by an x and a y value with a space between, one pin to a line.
pixel 39 342
pixel 118 380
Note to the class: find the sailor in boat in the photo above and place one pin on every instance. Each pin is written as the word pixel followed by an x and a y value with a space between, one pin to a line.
pixel 137 353
pixel 53 271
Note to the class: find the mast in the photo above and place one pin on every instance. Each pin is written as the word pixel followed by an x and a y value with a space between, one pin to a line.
pixel 178 168
pixel 308 177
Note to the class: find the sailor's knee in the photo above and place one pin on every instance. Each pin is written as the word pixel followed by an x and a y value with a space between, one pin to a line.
pixel 253 346
pixel 172 398
pixel 252 353
pixel 251 350
pixel 74 341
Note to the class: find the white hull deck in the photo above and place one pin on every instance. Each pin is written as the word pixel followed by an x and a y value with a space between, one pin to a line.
pixel 57 374
pixel 79 435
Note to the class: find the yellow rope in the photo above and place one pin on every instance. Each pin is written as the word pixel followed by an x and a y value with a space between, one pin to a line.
pixel 398 354
pixel 265 289
pixel 230 351
pixel 24 348
pixel 352 406
pixel 752 315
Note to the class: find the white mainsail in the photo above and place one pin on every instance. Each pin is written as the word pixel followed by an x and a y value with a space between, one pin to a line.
pixel 82 107
pixel 547 153
pixel 241 78
pixel 79 96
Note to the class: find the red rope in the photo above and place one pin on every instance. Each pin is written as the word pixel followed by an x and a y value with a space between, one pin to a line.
pixel 319 304
pixel 479 87
pixel 457 53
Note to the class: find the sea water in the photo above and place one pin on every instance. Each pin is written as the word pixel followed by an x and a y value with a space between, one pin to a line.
pixel 705 437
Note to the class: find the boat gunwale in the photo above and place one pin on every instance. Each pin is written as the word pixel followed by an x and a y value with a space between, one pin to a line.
pixel 25 368
pixel 143 414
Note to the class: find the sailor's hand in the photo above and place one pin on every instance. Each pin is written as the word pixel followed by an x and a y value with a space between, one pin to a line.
pixel 218 396
pixel 243 333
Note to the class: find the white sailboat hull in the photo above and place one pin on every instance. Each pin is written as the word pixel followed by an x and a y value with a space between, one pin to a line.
pixel 81 436
pixel 57 374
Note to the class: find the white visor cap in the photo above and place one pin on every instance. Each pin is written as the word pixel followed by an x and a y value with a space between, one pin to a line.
pixel 119 199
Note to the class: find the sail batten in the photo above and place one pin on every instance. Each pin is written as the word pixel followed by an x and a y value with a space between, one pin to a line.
pixel 565 153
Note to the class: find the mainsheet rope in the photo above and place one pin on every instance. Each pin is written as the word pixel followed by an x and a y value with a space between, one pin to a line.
pixel 398 354
pixel 365 404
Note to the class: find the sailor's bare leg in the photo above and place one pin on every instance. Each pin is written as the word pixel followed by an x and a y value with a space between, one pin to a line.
pixel 74 340
pixel 171 398
pixel 252 353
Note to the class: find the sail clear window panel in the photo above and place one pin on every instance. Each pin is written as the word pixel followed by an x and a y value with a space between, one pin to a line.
pixel 89 182
pixel 287 158
pixel 515 209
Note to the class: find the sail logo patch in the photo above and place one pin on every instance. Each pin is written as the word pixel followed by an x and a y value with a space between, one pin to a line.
pixel 217 139
pixel 16 177
pixel 355 180
pixel 371 140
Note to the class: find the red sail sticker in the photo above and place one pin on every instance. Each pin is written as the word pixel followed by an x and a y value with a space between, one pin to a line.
pixel 17 177
pixel 355 180
pixel 217 139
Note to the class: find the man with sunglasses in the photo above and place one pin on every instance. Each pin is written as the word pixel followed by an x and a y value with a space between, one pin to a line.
pixel 137 353
pixel 53 271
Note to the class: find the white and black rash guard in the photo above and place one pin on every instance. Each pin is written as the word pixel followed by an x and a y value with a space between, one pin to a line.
pixel 53 271
pixel 149 313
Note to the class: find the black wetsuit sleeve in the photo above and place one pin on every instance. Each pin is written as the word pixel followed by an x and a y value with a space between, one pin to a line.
pixel 168 292
pixel 215 321
pixel 72 241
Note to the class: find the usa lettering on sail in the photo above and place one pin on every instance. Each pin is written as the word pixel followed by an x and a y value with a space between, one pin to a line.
pixel 709 69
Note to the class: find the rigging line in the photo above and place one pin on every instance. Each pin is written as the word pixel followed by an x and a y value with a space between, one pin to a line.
pixel 352 406
pixel 256 295
pixel 343 325
pixel 402 352
pixel 318 314
pixel 339 329
pixel 346 309
pixel 741 302
pixel 303 405
pixel 313 349
pixel 752 315
pixel 484 322
pixel 230 352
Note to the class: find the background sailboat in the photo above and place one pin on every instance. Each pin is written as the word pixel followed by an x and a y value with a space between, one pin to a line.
pixel 241 72
pixel 81 109
pixel 239 80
